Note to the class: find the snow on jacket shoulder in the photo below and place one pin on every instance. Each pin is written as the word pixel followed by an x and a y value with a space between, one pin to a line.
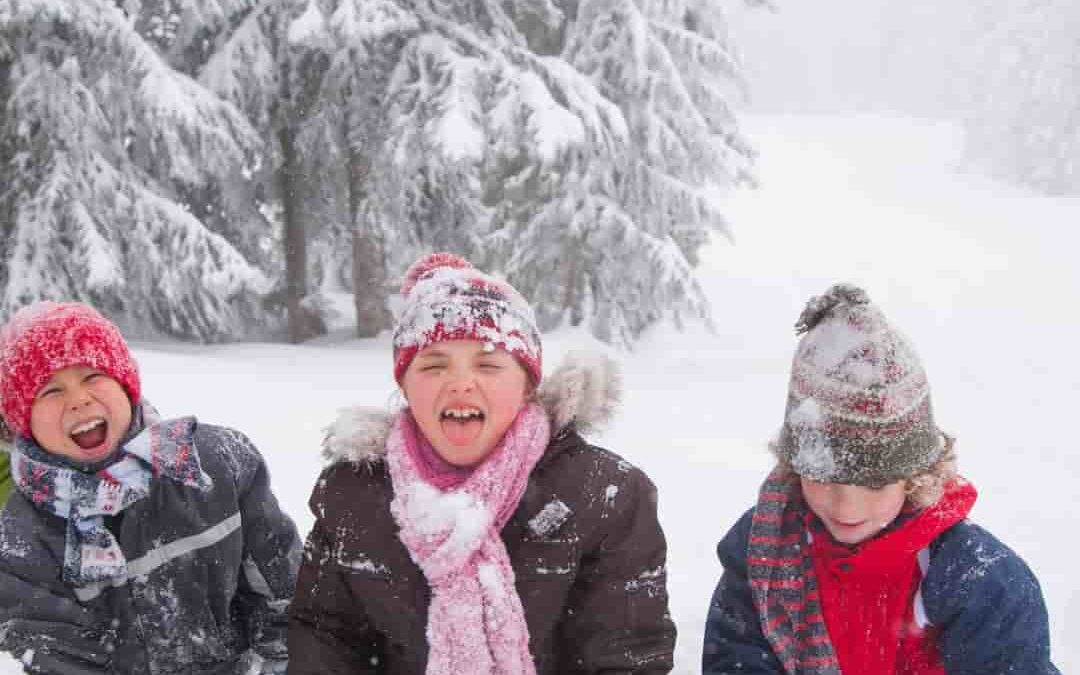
pixel 988 604
pixel 982 597
pixel 587 551
pixel 220 570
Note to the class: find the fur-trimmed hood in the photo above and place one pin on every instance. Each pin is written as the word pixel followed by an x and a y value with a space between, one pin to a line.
pixel 584 391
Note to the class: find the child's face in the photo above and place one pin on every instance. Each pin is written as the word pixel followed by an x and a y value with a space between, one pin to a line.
pixel 464 398
pixel 80 413
pixel 851 513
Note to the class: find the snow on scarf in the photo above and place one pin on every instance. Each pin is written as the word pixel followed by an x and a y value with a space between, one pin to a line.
pixel 91 552
pixel 475 619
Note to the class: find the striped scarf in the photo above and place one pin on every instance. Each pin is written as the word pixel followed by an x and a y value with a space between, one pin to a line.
pixel 783 582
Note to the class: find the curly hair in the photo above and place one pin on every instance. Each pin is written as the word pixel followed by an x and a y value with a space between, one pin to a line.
pixel 923 489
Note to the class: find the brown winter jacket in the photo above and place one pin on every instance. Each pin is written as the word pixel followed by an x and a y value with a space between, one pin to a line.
pixel 586 547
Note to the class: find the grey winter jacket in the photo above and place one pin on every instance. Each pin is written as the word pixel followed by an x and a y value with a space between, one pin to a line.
pixel 212 576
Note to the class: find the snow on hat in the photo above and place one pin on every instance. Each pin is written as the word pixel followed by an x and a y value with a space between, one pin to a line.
pixel 858 407
pixel 45 337
pixel 446 298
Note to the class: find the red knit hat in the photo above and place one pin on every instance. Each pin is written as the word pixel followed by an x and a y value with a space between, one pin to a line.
pixel 45 337
pixel 858 408
pixel 446 298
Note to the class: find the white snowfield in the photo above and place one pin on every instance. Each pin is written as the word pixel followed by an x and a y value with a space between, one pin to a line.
pixel 980 276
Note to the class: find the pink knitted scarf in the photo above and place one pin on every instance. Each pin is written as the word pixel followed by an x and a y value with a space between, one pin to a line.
pixel 450 525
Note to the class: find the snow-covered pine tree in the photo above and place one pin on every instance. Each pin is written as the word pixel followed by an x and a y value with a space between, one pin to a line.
pixel 635 212
pixel 97 134
pixel 274 64
pixel 367 37
pixel 579 147
pixel 1025 121
pixel 185 33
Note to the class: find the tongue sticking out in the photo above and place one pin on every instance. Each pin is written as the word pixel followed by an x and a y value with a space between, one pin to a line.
pixel 462 431
pixel 92 438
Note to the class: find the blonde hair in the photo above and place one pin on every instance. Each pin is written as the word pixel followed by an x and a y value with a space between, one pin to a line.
pixel 923 489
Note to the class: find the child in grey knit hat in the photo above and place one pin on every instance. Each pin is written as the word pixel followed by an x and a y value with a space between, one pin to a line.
pixel 858 558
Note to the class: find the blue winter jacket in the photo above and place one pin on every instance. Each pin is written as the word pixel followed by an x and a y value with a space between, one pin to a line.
pixel 983 598
pixel 216 572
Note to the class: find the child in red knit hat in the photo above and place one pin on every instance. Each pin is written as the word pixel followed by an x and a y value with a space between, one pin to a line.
pixel 475 531
pixel 857 558
pixel 130 544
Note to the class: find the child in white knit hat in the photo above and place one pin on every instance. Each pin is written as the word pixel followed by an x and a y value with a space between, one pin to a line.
pixel 858 558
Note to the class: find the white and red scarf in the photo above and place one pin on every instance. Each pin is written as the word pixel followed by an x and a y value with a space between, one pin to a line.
pixel 84 499
pixel 450 521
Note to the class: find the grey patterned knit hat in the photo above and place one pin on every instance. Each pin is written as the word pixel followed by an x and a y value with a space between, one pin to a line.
pixel 858 407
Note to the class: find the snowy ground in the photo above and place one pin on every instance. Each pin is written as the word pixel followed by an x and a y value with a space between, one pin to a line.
pixel 978 274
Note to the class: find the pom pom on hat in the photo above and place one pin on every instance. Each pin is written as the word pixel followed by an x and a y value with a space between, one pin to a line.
pixel 446 298
pixel 819 306
pixel 45 337
pixel 858 409
pixel 426 266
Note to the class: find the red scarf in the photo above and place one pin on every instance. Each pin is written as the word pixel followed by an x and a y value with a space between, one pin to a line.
pixel 869 592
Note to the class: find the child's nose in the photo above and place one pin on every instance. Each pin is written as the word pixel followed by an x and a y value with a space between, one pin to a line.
pixel 461 382
pixel 78 398
pixel 846 497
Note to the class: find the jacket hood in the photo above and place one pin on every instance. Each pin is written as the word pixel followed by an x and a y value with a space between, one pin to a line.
pixel 583 393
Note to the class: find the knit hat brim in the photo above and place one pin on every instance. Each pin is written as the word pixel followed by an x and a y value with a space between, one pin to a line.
pixel 867 454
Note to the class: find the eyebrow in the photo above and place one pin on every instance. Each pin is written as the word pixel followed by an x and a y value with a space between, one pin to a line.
pixel 432 354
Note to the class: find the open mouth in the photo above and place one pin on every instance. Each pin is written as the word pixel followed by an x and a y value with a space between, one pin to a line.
pixel 91 434
pixel 462 426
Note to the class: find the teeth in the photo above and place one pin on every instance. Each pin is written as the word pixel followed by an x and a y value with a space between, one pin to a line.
pixel 87 426
pixel 463 413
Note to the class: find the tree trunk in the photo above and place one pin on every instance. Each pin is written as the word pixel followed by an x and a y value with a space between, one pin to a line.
pixel 295 239
pixel 369 266
pixel 369 285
